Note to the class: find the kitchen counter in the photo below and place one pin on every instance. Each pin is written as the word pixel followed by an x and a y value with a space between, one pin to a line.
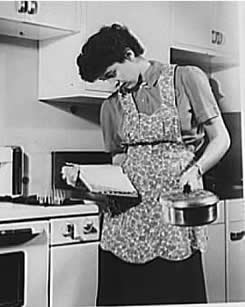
pixel 18 212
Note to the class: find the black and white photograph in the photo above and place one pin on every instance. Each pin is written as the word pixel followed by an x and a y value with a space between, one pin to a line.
pixel 122 142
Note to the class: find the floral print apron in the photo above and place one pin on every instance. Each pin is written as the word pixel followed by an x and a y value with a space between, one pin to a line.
pixel 156 156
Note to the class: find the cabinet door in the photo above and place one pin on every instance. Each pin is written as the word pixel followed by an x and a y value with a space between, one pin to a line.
pixel 58 73
pixel 227 23
pixel 74 275
pixel 11 10
pixel 39 19
pixel 192 23
pixel 149 21
pixel 214 264
pixel 60 14
pixel 236 267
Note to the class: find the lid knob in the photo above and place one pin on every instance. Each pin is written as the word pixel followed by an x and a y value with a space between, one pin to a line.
pixel 187 188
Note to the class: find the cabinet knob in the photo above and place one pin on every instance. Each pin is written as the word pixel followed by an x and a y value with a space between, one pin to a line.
pixel 69 230
pixel 32 7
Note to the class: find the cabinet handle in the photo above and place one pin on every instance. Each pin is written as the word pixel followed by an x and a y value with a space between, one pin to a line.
pixel 32 7
pixel 214 37
pixel 236 236
pixel 22 6
pixel 220 38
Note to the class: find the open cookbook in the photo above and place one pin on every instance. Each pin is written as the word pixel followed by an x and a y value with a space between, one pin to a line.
pixel 104 179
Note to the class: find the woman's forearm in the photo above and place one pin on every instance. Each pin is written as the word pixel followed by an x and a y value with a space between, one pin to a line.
pixel 213 153
pixel 219 143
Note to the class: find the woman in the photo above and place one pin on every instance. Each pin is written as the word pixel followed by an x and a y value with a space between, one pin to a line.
pixel 154 125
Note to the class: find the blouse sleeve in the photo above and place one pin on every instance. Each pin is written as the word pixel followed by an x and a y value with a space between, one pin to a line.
pixel 109 123
pixel 200 94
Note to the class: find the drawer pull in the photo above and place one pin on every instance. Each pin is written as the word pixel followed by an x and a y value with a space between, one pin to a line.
pixel 214 37
pixel 236 236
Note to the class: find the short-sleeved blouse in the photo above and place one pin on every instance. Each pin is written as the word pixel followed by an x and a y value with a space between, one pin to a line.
pixel 194 100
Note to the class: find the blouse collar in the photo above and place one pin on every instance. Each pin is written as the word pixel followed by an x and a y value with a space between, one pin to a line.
pixel 149 78
pixel 152 74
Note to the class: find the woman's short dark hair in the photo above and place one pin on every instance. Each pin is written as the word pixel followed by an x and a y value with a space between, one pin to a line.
pixel 105 48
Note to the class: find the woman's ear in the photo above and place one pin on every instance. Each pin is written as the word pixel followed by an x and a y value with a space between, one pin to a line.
pixel 129 54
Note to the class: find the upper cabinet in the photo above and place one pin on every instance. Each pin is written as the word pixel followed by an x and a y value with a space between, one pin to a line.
pixel 57 58
pixel 209 27
pixel 39 19
pixel 192 23
pixel 206 25
pixel 227 27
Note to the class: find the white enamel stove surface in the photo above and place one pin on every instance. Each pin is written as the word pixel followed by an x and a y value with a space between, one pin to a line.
pixel 74 261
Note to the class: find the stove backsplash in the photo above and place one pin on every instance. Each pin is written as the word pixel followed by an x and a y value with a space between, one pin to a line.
pixel 59 159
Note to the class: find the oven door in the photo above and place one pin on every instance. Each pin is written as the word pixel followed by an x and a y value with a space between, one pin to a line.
pixel 24 264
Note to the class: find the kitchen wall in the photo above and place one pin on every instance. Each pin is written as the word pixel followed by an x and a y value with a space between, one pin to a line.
pixel 38 127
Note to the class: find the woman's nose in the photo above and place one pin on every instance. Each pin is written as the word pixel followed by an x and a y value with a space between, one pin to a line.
pixel 114 82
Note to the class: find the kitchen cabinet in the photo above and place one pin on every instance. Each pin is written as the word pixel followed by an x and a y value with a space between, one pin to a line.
pixel 12 10
pixel 59 81
pixel 214 260
pixel 192 23
pixel 236 268
pixel 211 26
pixel 227 24
pixel 79 284
pixel 39 19
pixel 58 73
pixel 235 250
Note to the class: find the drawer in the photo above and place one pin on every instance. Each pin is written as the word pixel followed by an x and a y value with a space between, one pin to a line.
pixel 72 230
pixel 235 209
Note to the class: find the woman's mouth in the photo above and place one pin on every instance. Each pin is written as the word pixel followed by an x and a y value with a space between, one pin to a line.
pixel 118 84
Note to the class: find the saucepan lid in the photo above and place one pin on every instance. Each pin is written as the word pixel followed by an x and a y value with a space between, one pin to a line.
pixel 187 198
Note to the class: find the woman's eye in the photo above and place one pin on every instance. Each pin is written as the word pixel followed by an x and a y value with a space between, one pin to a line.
pixel 110 75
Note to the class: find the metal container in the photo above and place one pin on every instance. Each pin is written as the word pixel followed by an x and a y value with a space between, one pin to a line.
pixel 189 208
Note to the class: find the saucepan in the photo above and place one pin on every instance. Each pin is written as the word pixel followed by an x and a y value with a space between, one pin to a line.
pixel 189 208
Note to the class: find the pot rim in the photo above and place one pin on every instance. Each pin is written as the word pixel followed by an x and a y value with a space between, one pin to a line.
pixel 209 199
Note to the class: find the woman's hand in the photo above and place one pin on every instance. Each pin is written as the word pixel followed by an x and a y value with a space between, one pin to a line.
pixel 191 177
pixel 119 158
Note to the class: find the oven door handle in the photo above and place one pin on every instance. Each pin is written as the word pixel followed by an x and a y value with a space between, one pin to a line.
pixel 10 237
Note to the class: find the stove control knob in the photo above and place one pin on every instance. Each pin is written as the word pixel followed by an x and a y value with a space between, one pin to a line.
pixel 89 228
pixel 72 231
pixel 69 230
pixel 75 234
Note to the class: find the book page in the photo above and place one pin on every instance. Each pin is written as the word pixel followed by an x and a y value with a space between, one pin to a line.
pixel 106 177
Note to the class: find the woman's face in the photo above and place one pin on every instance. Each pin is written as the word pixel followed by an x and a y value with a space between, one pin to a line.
pixel 122 73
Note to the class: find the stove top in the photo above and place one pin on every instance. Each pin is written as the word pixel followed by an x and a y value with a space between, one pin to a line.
pixel 41 201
